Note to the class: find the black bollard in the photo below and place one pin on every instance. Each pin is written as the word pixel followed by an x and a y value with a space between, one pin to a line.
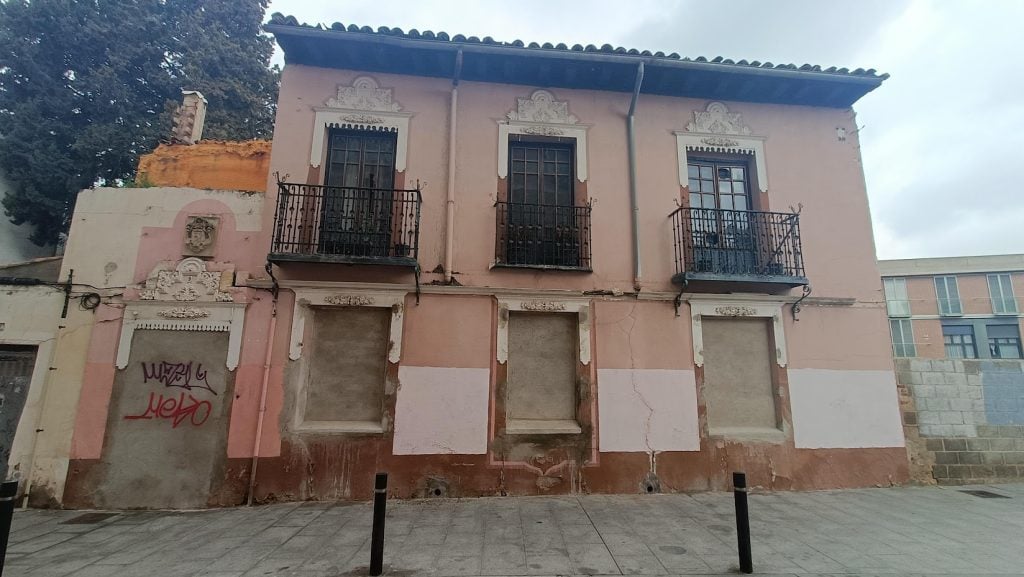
pixel 7 492
pixel 739 483
pixel 380 501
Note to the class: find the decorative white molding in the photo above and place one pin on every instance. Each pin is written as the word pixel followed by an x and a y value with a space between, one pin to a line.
pixel 183 313
pixel 705 134
pixel 717 119
pixel 185 281
pixel 544 130
pixel 307 298
pixel 542 107
pixel 364 94
pixel 349 108
pixel 542 306
pixel 542 115
pixel 188 281
pixel 147 315
pixel 734 311
pixel 578 307
pixel 349 300
pixel 724 307
pixel 687 142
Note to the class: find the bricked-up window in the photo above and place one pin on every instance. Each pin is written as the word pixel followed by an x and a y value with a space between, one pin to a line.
pixel 542 361
pixel 347 364
pixel 737 374
pixel 959 341
pixel 902 338
pixel 948 296
pixel 896 301
pixel 1000 288
pixel 1004 341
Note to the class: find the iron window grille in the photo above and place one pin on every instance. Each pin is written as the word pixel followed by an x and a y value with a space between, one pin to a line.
pixel 347 224
pixel 542 236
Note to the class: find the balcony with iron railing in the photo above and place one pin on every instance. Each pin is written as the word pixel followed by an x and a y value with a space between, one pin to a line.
pixel 316 223
pixel 739 249
pixel 542 236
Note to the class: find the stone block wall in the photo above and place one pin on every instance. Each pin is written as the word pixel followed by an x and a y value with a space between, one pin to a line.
pixel 969 415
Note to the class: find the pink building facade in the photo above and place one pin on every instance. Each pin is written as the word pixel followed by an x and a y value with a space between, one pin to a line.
pixel 496 269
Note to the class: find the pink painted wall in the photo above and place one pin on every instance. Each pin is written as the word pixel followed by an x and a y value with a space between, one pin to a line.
pixel 241 248
pixel 806 165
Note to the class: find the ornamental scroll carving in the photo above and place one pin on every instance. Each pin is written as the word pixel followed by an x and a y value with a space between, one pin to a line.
pixel 544 130
pixel 735 311
pixel 188 282
pixel 363 119
pixel 720 141
pixel 542 107
pixel 364 94
pixel 183 313
pixel 349 300
pixel 718 120
pixel 542 306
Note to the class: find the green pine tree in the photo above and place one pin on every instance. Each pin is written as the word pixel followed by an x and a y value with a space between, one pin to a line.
pixel 86 86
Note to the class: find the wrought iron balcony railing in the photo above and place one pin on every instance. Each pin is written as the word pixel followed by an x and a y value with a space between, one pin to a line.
pixel 348 225
pixel 542 236
pixel 737 245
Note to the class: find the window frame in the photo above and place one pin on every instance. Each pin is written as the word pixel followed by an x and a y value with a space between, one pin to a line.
pixel 906 326
pixel 945 303
pixel 960 337
pixel 890 301
pixel 1010 339
pixel 1006 295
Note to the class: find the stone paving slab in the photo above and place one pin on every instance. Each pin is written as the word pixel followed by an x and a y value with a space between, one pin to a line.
pixel 916 531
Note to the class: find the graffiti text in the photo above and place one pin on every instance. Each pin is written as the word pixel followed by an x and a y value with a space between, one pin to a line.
pixel 177 410
pixel 183 375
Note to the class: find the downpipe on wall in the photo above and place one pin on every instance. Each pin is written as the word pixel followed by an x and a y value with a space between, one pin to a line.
pixel 449 223
pixel 263 387
pixel 633 200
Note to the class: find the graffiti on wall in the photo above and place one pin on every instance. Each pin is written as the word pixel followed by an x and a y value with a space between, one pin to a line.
pixel 183 408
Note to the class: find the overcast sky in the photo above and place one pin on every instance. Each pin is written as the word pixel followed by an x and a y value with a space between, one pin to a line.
pixel 942 140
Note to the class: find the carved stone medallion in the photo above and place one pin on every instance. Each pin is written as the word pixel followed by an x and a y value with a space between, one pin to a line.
pixel 200 235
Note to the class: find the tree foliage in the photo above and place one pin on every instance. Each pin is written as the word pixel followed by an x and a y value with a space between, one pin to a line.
pixel 86 86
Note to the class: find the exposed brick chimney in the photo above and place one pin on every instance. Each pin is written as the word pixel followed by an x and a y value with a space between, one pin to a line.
pixel 189 118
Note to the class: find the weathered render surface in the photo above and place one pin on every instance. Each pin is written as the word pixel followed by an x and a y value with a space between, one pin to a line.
pixel 479 379
pixel 210 164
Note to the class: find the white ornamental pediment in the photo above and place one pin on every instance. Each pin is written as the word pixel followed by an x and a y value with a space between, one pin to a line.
pixel 187 281
pixel 717 119
pixel 542 107
pixel 364 94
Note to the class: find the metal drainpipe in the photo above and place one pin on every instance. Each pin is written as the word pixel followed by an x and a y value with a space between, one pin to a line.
pixel 449 224
pixel 633 201
pixel 272 330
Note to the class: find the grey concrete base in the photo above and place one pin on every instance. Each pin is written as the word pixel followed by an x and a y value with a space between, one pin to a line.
pixel 904 531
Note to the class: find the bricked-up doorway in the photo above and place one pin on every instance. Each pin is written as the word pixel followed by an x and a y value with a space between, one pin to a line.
pixel 167 426
pixel 738 374
pixel 16 364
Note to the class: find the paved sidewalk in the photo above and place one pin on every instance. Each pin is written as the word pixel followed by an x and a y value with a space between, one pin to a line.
pixel 904 531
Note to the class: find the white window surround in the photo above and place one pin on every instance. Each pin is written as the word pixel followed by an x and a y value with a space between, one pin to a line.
pixel 184 296
pixel 579 307
pixel 718 130
pixel 362 106
pixel 725 308
pixel 305 301
pixel 306 298
pixel 542 115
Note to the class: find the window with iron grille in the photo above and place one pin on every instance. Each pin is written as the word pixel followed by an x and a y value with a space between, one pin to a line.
pixel 540 223
pixel 902 338
pixel 1000 289
pixel 896 301
pixel 1004 341
pixel 959 341
pixel 948 296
